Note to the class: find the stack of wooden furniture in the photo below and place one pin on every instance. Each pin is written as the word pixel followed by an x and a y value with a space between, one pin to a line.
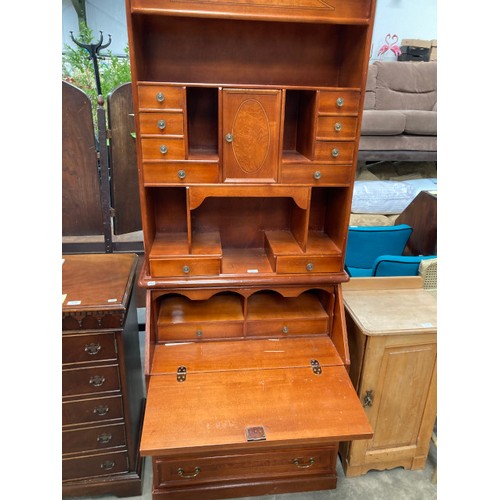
pixel 248 120
pixel 102 380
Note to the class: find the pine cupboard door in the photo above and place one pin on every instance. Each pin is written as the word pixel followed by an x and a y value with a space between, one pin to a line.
pixel 398 392
pixel 251 135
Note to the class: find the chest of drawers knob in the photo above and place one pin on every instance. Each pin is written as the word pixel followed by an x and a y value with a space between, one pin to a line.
pixel 186 269
pixel 182 474
pixel 338 126
pixel 301 465
pixel 309 266
pixel 108 464
pixel 285 329
pixel 101 410
pixel 92 349
pixel 160 97
pixel 161 124
pixel 317 175
pixel 104 438
pixel 335 152
pixel 163 149
pixel 340 102
pixel 181 174
pixel 97 380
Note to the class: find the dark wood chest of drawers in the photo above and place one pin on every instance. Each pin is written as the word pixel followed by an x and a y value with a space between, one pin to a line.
pixel 102 381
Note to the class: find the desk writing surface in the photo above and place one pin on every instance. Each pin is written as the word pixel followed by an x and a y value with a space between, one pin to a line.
pixel 383 312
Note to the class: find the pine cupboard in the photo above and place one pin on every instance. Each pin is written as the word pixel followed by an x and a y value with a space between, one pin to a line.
pixel 247 121
pixel 392 331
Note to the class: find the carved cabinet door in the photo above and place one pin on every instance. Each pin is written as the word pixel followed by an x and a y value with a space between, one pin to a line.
pixel 251 135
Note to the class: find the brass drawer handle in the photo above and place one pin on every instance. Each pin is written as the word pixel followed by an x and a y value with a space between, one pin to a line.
pixel 199 333
pixel 92 349
pixel 181 174
pixel 310 266
pixel 186 269
pixel 108 464
pixel 101 410
pixel 160 97
pixel 340 102
pixel 104 438
pixel 317 175
pixel 338 127
pixel 285 330
pixel 335 152
pixel 229 138
pixel 163 149
pixel 97 380
pixel 368 399
pixel 298 462
pixel 161 124
pixel 182 474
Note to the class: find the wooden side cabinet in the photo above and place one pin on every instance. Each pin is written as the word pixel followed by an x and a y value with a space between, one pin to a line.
pixel 391 324
pixel 102 382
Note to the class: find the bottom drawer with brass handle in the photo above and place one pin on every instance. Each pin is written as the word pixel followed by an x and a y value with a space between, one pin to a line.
pixel 94 465
pixel 93 438
pixel 180 471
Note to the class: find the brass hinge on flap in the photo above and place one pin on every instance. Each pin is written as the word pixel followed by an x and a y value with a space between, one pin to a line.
pixel 316 367
pixel 181 374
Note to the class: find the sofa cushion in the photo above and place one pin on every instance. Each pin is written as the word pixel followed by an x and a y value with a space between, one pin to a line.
pixel 384 122
pixel 371 85
pixel 406 85
pixel 420 122
pixel 400 143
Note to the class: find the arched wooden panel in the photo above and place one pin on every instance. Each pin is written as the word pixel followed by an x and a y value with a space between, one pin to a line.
pixel 123 161
pixel 81 205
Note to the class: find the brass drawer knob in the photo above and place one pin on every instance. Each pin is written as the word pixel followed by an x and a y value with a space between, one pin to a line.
pixel 160 97
pixel 310 266
pixel 317 175
pixel 101 410
pixel 181 174
pixel 182 474
pixel 163 149
pixel 161 124
pixel 229 138
pixel 338 127
pixel 97 380
pixel 92 349
pixel 186 269
pixel 299 463
pixel 335 152
pixel 340 102
pixel 104 438
pixel 199 333
pixel 285 330
pixel 108 464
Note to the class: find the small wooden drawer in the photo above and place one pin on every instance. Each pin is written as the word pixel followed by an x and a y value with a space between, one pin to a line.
pixel 165 123
pixel 93 438
pixel 165 148
pixel 334 152
pixel 308 265
pixel 161 97
pixel 180 172
pixel 336 128
pixel 88 348
pixel 290 463
pixel 163 268
pixel 79 381
pixel 94 465
pixel 199 331
pixel 340 102
pixel 315 175
pixel 91 410
pixel 284 328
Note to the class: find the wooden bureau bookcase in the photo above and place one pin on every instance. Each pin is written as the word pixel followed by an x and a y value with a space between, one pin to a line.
pixel 247 118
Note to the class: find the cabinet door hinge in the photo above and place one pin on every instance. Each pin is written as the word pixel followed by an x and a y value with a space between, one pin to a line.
pixel 181 374
pixel 316 367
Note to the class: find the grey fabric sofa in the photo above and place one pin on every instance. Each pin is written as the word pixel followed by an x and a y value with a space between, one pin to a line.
pixel 400 112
